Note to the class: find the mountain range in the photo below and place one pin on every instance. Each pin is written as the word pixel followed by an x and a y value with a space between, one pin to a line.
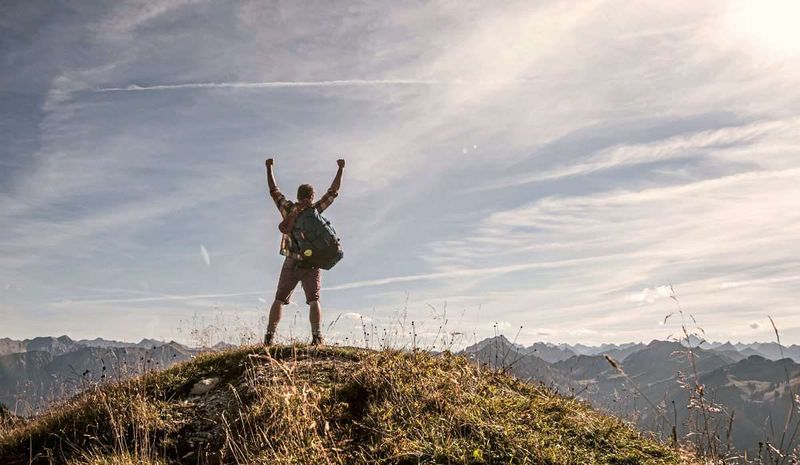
pixel 36 372
pixel 64 344
pixel 747 381
pixel 739 390
pixel 552 353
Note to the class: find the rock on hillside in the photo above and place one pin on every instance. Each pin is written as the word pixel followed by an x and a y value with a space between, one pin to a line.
pixel 329 405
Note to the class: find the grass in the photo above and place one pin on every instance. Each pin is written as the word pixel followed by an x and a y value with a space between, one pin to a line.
pixel 297 404
pixel 116 459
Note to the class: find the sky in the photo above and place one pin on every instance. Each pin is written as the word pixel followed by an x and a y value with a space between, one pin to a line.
pixel 552 171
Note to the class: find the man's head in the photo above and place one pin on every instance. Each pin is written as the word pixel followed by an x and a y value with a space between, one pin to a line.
pixel 305 192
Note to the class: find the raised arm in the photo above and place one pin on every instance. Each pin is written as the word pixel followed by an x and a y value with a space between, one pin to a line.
pixel 270 175
pixel 337 181
pixel 278 197
pixel 327 199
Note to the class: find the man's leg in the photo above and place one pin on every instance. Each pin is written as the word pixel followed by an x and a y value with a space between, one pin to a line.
pixel 312 283
pixel 274 316
pixel 315 316
pixel 286 284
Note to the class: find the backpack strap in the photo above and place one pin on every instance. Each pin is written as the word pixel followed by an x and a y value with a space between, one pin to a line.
pixel 288 223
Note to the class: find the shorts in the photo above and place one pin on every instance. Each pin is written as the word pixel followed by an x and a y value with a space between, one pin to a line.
pixel 310 278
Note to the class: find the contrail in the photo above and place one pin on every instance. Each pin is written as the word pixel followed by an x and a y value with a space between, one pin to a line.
pixel 273 84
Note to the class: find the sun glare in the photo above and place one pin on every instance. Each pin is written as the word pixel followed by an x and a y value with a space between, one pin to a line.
pixel 769 25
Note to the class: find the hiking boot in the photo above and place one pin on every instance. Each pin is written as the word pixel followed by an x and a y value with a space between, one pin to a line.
pixel 268 339
pixel 316 340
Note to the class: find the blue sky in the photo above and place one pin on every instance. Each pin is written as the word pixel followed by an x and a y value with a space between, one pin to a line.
pixel 545 165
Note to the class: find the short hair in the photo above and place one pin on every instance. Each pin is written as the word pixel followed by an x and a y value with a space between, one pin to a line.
pixel 305 192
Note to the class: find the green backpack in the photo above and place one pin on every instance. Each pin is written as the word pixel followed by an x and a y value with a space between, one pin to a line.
pixel 316 241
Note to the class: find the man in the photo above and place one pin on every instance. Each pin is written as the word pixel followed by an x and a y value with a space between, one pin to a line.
pixel 291 274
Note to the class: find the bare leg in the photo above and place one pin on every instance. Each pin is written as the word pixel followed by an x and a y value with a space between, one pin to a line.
pixel 315 315
pixel 274 316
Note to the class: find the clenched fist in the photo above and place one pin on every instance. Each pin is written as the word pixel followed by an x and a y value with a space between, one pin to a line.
pixel 340 162
pixel 269 162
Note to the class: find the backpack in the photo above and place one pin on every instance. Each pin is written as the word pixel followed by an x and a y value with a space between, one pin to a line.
pixel 316 241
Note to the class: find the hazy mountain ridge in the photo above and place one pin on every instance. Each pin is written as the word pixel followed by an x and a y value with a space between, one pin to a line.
pixel 755 390
pixel 768 350
pixel 752 387
pixel 42 370
pixel 553 353
pixel 64 344
pixel 550 353
pixel 500 353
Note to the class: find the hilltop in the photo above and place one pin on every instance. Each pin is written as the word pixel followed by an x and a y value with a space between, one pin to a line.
pixel 330 405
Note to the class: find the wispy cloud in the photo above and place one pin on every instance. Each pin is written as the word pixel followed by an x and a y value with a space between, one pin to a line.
pixel 705 144
pixel 760 282
pixel 473 272
pixel 273 84
pixel 685 234
pixel 156 298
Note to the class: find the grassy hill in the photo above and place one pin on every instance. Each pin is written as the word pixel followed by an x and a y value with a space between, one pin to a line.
pixel 331 405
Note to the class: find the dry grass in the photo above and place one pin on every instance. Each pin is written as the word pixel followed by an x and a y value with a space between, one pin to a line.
pixel 116 459
pixel 332 405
